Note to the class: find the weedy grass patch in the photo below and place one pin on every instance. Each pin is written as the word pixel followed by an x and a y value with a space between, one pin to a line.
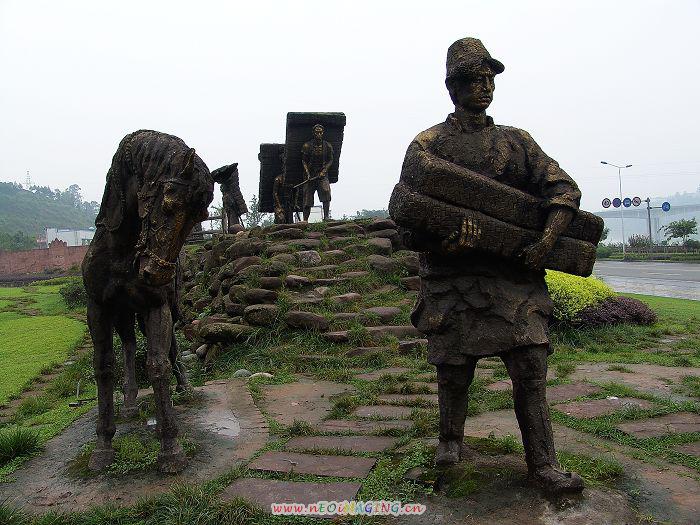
pixel 16 442
pixel 28 344
pixel 599 470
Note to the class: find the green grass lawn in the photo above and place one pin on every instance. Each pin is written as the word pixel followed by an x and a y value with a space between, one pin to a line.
pixel 668 308
pixel 28 344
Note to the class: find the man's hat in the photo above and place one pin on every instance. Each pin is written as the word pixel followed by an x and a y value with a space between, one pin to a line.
pixel 466 56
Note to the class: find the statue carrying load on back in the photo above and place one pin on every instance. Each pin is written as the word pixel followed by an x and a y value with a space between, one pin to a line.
pixel 234 205
pixel 291 174
pixel 317 159
pixel 489 210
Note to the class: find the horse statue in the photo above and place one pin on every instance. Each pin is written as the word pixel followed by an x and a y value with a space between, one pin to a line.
pixel 157 189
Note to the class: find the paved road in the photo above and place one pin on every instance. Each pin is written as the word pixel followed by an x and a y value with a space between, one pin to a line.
pixel 651 278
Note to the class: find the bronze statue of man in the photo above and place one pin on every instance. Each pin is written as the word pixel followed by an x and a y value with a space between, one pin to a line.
pixel 234 205
pixel 317 158
pixel 283 209
pixel 473 304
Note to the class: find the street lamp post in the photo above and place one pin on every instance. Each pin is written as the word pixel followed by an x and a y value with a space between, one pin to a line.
pixel 622 212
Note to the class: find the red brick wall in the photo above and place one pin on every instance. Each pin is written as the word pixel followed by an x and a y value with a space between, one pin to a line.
pixel 57 255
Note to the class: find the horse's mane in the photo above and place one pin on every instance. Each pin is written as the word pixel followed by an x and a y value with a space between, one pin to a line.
pixel 149 155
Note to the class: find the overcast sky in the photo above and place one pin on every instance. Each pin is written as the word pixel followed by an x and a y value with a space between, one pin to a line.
pixel 591 81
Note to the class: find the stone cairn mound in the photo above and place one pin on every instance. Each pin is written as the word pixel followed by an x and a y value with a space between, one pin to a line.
pixel 237 283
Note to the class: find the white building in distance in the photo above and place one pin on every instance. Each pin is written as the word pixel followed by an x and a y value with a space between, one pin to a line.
pixel 70 236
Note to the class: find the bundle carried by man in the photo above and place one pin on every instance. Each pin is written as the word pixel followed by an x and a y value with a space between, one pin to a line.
pixel 436 197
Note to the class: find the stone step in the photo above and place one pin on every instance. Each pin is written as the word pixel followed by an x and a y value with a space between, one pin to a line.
pixel 324 269
pixel 384 313
pixel 677 423
pixel 368 350
pixel 306 320
pixel 383 411
pixel 343 443
pixel 377 332
pixel 356 426
pixel 376 374
pixel 265 492
pixel 314 464
pixel 330 281
pixel 408 399
pixel 411 283
pixel 601 407
pixel 411 346
pixel 559 393
pixel 398 331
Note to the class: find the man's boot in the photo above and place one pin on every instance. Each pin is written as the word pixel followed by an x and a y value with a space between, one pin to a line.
pixel 453 398
pixel 531 409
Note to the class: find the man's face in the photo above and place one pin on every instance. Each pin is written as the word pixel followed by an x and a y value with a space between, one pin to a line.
pixel 474 93
pixel 318 133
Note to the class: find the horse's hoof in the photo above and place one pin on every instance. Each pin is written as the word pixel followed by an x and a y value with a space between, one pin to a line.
pixel 447 453
pixel 172 462
pixel 129 411
pixel 185 388
pixel 100 459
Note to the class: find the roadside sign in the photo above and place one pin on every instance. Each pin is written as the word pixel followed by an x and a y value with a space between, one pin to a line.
pixel 606 202
pixel 666 206
pixel 636 201
pixel 617 202
pixel 627 202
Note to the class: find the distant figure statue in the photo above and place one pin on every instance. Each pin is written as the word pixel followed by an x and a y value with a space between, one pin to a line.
pixel 157 190
pixel 317 158
pixel 478 303
pixel 234 205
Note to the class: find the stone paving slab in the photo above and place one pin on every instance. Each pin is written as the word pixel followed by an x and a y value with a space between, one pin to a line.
pixel 431 387
pixel 397 399
pixel 662 426
pixel 362 427
pixel 264 492
pixel 654 379
pixel 350 443
pixel 498 422
pixel 601 407
pixel 307 400
pixel 502 385
pixel 385 411
pixel 376 374
pixel 692 449
pixel 559 393
pixel 315 464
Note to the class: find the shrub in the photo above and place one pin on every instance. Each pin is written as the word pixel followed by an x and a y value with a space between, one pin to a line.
pixel 32 406
pixel 74 294
pixel 16 442
pixel 571 294
pixel 603 251
pixel 615 310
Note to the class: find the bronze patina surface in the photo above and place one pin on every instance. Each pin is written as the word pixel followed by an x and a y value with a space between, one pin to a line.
pixel 477 301
pixel 317 158
pixel 157 190
pixel 233 202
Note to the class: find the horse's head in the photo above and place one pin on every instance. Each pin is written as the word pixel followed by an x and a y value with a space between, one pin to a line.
pixel 168 215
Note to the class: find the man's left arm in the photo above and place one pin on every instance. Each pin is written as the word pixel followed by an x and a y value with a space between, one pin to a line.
pixel 561 195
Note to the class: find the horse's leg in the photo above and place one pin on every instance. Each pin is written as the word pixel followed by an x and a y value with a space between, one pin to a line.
pixel 127 333
pixel 100 324
pixel 183 384
pixel 158 325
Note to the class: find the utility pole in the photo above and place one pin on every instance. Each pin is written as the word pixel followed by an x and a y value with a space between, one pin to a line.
pixel 651 241
pixel 622 213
